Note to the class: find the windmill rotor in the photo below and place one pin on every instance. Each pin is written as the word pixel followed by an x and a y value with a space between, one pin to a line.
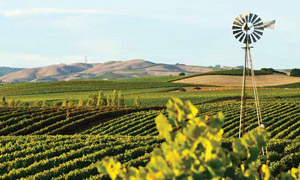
pixel 249 28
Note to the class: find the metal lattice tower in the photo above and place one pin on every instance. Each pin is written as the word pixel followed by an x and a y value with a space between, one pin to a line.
pixel 248 28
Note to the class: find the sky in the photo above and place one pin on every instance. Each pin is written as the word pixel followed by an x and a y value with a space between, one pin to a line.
pixel 37 33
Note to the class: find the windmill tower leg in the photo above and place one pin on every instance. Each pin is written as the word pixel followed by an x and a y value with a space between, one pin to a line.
pixel 257 105
pixel 243 96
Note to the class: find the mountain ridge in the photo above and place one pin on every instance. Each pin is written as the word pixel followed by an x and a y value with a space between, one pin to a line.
pixel 106 70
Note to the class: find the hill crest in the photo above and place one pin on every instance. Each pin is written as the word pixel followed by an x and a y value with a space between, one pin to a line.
pixel 107 70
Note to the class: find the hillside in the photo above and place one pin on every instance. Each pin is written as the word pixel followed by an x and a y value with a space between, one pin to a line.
pixel 108 70
pixel 7 70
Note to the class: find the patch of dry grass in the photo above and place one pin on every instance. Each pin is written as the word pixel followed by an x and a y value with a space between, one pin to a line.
pixel 227 80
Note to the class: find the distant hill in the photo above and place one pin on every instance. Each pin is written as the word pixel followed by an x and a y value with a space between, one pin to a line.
pixel 108 70
pixel 7 70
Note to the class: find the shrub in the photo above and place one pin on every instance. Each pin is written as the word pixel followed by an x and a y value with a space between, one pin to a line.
pixel 137 102
pixel 80 103
pixel 121 101
pixel 295 72
pixel 11 103
pixel 4 103
pixel 101 101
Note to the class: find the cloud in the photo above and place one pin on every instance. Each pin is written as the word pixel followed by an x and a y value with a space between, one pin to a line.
pixel 26 12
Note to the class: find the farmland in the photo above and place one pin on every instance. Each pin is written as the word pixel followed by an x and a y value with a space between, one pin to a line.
pixel 67 142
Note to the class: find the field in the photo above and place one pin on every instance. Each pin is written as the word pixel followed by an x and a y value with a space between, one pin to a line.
pixel 234 80
pixel 67 142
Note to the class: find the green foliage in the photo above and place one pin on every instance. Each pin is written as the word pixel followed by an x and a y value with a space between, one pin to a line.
pixel 42 88
pixel 108 101
pixel 70 104
pixel 295 72
pixel 44 104
pixel 55 105
pixel 11 102
pixel 121 99
pixel 271 70
pixel 80 103
pixel 64 103
pixel 137 102
pixel 114 98
pixel 193 150
pixel 3 101
pixel 93 99
pixel 232 72
pixel 101 101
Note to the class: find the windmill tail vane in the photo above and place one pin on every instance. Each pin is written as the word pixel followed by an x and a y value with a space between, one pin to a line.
pixel 248 28
pixel 269 24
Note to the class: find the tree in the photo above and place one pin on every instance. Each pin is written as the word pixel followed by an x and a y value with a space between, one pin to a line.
pixel 18 103
pixel 121 101
pixel 182 74
pixel 295 72
pixel 70 104
pixel 269 70
pixel 44 104
pixel 80 103
pixel 64 103
pixel 193 150
pixel 93 99
pixel 87 103
pixel 114 99
pixel 4 103
pixel 11 102
pixel 37 103
pixel 108 100
pixel 101 99
pixel 137 102
pixel 54 105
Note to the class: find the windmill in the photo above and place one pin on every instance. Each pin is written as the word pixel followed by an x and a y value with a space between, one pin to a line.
pixel 248 28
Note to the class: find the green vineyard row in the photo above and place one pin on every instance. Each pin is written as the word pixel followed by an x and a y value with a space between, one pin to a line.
pixel 282 120
pixel 76 156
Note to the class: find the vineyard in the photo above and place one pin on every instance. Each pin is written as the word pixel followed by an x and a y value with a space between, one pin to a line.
pixel 282 120
pixel 67 142
pixel 127 134
pixel 69 157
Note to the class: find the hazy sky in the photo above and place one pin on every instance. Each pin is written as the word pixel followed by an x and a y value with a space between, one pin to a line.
pixel 42 32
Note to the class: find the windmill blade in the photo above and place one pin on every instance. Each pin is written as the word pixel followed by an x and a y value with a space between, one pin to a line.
pixel 239 21
pixel 242 18
pixel 258 24
pixel 247 17
pixel 257 21
pixel 253 38
pixel 250 17
pixel 236 27
pixel 238 35
pixel 242 37
pixel 256 35
pixel 268 24
pixel 237 31
pixel 254 18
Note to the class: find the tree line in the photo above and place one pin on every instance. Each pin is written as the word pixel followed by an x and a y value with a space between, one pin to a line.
pixel 100 100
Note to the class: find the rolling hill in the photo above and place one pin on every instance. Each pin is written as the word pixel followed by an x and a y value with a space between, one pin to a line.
pixel 108 70
pixel 7 70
